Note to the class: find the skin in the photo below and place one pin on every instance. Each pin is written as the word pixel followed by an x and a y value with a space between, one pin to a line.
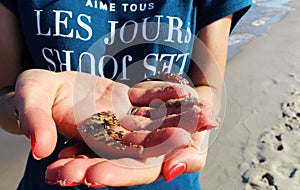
pixel 10 59
pixel 55 113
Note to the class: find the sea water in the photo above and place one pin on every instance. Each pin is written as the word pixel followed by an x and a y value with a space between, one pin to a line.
pixel 256 22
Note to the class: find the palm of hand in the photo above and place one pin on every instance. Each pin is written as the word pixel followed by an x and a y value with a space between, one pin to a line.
pixel 57 102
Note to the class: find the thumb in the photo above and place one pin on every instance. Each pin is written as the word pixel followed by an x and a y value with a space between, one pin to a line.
pixel 34 101
pixel 41 129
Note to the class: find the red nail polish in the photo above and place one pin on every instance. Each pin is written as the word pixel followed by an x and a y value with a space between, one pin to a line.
pixel 175 171
pixel 33 144
pixel 97 185
pixel 71 184
pixel 33 141
pixel 93 185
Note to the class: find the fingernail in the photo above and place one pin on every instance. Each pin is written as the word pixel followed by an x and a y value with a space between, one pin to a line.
pixel 93 185
pixel 175 171
pixel 66 183
pixel 33 144
pixel 97 185
pixel 71 184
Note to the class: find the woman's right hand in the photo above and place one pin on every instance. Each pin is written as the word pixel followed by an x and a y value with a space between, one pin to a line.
pixel 50 102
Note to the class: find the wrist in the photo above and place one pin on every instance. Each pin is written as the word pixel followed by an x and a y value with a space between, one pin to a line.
pixel 8 119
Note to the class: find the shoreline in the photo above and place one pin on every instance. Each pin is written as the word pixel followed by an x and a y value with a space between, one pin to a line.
pixel 255 149
pixel 256 23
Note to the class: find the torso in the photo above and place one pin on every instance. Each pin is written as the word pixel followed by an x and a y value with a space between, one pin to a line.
pixel 105 37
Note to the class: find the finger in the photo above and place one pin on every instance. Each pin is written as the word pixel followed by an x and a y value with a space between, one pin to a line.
pixel 148 133
pixel 144 93
pixel 62 172
pixel 107 147
pixel 137 144
pixel 164 141
pixel 51 174
pixel 158 142
pixel 75 151
pixel 189 121
pixel 188 160
pixel 67 176
pixel 191 117
pixel 128 172
pixel 42 131
pixel 134 122
pixel 34 102
pixel 172 106
pixel 98 172
pixel 188 113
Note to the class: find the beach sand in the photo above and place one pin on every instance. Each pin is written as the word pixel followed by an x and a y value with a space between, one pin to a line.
pixel 258 147
pixel 14 152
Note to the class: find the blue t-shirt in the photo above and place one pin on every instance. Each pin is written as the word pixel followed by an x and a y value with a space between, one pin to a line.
pixel 126 41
